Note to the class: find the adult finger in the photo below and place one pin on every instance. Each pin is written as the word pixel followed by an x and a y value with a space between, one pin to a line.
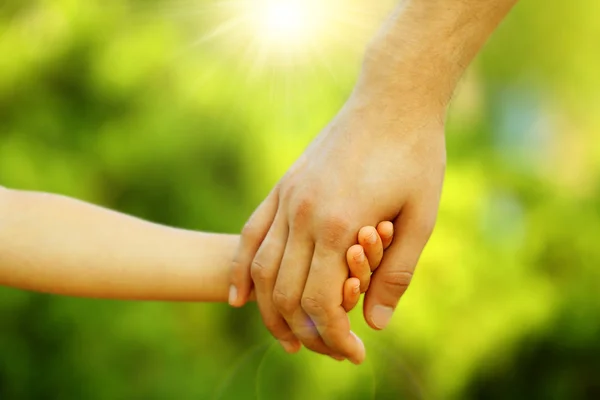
pixel 264 270
pixel 390 281
pixel 323 304
pixel 289 287
pixel 253 234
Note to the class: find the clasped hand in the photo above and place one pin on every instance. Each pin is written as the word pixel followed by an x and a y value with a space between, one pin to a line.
pixel 369 165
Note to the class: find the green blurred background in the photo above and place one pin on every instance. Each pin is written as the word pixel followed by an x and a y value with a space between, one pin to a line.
pixel 175 112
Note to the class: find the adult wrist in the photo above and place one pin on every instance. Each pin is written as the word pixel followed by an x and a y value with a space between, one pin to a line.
pixel 425 46
pixel 419 65
pixel 401 92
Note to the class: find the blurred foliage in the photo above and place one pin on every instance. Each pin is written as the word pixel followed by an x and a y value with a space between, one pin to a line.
pixel 137 106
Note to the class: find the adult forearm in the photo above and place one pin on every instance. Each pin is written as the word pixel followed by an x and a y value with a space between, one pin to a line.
pixel 425 46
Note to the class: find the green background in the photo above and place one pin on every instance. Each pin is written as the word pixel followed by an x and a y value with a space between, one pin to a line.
pixel 149 108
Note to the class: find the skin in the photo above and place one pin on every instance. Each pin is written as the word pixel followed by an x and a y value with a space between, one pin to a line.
pixel 59 245
pixel 382 158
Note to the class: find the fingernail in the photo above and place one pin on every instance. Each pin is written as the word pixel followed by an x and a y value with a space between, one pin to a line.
pixel 372 238
pixel 287 346
pixel 356 289
pixel 360 257
pixel 358 359
pixel 358 340
pixel 232 294
pixel 381 316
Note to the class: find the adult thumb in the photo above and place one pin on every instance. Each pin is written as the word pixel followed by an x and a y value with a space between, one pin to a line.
pixel 392 278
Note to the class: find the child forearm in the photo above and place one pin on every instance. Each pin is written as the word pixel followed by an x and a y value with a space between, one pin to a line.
pixel 54 244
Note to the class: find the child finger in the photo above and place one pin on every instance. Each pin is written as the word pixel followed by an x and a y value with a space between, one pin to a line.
pixel 351 294
pixel 359 266
pixel 369 239
pixel 386 233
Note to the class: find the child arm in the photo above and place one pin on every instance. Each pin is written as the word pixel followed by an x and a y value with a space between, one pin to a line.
pixel 54 244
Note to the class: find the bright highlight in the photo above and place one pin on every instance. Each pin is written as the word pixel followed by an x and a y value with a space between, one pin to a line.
pixel 288 26
pixel 265 33
pixel 285 20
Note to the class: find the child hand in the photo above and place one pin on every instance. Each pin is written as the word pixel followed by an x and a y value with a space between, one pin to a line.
pixel 363 259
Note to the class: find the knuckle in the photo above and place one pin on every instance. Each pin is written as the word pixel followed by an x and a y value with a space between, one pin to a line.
pixel 303 210
pixel 397 281
pixel 260 272
pixel 250 231
pixel 237 267
pixel 334 231
pixel 276 327
pixel 284 303
pixel 238 271
pixel 312 304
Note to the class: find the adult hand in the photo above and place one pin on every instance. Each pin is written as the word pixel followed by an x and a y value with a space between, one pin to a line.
pixel 377 161
pixel 382 158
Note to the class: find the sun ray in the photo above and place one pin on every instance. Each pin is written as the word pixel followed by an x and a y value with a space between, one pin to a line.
pixel 221 30
pixel 275 50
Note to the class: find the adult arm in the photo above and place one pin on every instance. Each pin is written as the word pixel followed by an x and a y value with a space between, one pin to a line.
pixel 381 158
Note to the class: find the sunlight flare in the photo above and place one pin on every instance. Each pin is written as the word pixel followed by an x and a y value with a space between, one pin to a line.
pixel 285 20
pixel 289 32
